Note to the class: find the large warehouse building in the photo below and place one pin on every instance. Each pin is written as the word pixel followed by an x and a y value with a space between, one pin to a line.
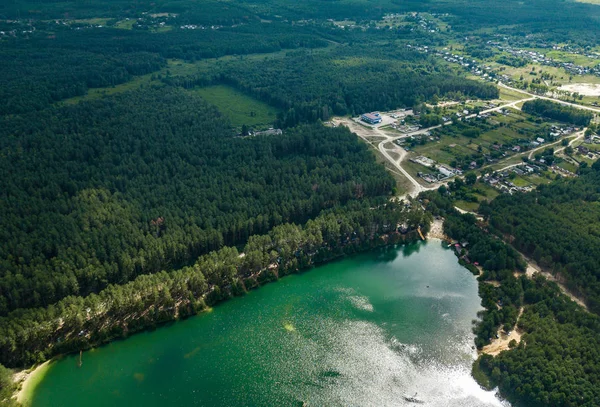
pixel 371 118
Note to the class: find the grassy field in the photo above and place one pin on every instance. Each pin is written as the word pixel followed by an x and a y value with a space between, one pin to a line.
pixel 515 159
pixel 174 67
pixel 467 206
pixel 509 95
pixel 402 183
pixel 520 182
pixel 561 77
pixel 414 168
pixel 162 29
pixel 452 145
pixel 125 24
pixel 97 93
pixel 91 21
pixel 485 192
pixel 238 107
pixel 446 149
pixel 573 58
pixel 539 179
pixel 568 166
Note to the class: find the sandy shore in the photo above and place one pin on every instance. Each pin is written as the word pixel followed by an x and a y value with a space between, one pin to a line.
pixel 501 343
pixel 437 230
pixel 28 381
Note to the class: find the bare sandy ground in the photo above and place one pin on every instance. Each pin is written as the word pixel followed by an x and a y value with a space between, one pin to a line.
pixel 533 268
pixel 585 89
pixel 501 343
pixel 28 380
pixel 437 230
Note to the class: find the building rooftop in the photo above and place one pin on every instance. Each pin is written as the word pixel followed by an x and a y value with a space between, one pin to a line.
pixel 372 116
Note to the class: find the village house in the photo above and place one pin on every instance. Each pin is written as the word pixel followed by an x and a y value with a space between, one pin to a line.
pixel 583 149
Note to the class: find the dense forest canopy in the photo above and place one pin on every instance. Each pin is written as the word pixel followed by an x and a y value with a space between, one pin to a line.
pixel 141 181
pixel 556 111
pixel 33 335
pixel 127 200
pixel 554 20
pixel 148 180
pixel 561 20
pixel 309 86
pixel 556 363
pixel 557 225
pixel 46 69
pixel 346 86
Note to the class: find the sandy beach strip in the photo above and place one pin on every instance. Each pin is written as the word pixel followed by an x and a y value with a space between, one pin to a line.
pixel 28 381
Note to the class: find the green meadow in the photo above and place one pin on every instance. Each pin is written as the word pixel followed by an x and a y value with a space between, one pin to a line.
pixel 239 108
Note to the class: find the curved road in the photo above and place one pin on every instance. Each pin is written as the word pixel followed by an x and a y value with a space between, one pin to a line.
pixel 364 132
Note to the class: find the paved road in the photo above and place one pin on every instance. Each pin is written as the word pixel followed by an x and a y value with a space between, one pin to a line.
pixel 365 132
pixel 494 109
pixel 578 136
pixel 562 102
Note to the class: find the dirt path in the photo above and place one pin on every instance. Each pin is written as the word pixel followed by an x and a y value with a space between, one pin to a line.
pixel 578 136
pixel 477 216
pixel 501 343
pixel 533 268
pixel 416 186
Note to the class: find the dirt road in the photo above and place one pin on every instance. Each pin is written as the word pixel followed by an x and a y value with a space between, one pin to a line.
pixel 576 136
pixel 533 268
pixel 366 132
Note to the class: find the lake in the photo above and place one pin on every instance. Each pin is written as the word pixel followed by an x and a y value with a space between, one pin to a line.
pixel 370 330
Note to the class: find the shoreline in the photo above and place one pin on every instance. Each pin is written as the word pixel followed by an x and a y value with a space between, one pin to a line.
pixel 28 380
pixel 31 383
pixel 322 255
pixel 436 231
pixel 502 342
